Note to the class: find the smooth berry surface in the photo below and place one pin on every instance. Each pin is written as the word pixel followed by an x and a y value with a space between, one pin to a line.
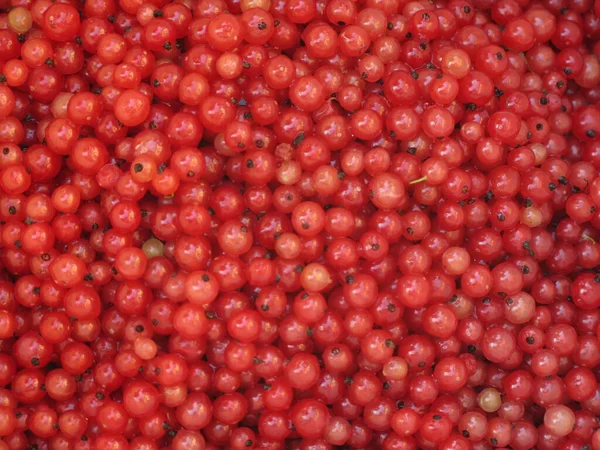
pixel 299 224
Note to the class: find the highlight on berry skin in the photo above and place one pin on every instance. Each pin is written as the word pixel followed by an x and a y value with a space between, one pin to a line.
pixel 299 224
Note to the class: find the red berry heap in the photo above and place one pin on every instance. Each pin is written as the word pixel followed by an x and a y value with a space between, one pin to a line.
pixel 299 224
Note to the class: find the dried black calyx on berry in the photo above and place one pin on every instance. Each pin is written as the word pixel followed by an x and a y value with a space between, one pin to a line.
pixel 298 139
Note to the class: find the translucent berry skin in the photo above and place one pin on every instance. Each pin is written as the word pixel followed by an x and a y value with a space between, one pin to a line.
pixel 303 224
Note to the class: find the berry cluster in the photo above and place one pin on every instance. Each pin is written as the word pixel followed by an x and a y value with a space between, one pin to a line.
pixel 299 224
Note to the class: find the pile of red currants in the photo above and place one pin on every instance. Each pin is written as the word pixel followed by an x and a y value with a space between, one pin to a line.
pixel 299 224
